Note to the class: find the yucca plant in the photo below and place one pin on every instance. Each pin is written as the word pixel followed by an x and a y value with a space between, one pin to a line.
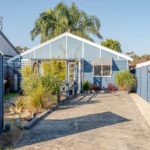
pixel 125 81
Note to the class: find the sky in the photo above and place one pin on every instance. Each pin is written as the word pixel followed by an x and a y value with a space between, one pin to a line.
pixel 127 21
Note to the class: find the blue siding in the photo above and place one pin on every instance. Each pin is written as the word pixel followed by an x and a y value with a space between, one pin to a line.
pixel 88 71
pixel 1 94
pixel 143 82
pixel 43 52
pixel 58 47
pixel 144 86
pixel 148 83
pixel 138 76
pixel 74 47
pixel 28 56
pixel 121 57
pixel 91 51
pixel 118 65
pixel 107 54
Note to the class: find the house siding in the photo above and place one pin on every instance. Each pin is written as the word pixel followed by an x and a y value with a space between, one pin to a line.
pixel 58 48
pixel 91 51
pixel 74 48
pixel 1 94
pixel 107 54
pixel 43 52
pixel 118 65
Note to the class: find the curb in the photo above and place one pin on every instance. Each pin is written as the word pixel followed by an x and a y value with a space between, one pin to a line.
pixel 11 101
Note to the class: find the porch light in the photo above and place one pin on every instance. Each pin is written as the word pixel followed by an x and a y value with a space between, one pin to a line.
pixel 148 71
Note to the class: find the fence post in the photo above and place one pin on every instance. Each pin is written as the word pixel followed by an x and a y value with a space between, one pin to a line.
pixel 75 88
pixel 58 97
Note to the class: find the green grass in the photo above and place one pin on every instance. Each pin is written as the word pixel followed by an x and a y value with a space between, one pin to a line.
pixel 8 96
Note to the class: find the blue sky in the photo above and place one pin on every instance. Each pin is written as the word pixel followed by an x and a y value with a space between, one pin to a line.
pixel 127 21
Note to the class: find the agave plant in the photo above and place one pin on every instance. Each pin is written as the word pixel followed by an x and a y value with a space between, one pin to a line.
pixel 52 23
pixel 125 80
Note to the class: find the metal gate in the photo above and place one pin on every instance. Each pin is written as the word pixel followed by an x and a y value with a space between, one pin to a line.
pixel 1 93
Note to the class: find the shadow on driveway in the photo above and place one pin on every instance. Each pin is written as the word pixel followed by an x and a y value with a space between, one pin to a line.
pixel 49 129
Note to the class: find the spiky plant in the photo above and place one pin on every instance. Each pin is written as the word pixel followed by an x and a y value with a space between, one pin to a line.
pixel 125 80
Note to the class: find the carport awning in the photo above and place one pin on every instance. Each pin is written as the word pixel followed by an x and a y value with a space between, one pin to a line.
pixel 102 61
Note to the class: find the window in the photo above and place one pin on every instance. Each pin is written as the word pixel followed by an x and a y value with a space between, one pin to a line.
pixel 97 70
pixel 103 71
pixel 106 70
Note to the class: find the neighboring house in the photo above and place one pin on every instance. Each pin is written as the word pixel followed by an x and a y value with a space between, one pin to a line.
pixel 7 48
pixel 95 63
pixel 140 64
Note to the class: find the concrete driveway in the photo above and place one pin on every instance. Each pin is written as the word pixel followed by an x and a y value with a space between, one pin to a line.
pixel 91 122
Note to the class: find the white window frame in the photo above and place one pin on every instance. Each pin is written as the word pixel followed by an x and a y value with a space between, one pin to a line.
pixel 102 71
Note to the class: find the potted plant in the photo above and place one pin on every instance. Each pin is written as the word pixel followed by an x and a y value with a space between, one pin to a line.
pixel 86 86
pixel 95 88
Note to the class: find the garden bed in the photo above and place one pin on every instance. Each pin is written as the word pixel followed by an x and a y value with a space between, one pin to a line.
pixel 24 116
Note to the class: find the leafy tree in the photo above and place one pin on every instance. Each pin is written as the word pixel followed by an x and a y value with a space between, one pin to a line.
pixel 19 48
pixel 112 44
pixel 137 58
pixel 62 18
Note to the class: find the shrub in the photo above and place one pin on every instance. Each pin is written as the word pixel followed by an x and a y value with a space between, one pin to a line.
pixel 111 87
pixel 86 85
pixel 20 103
pixel 95 87
pixel 125 81
pixel 10 80
pixel 36 85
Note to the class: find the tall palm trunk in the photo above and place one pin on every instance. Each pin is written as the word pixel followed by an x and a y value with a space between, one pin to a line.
pixel 68 30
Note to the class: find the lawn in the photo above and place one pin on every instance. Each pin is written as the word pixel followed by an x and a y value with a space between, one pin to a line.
pixel 8 96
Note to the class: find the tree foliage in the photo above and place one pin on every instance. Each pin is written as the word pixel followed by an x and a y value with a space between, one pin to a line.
pixel 112 44
pixel 19 48
pixel 137 58
pixel 62 18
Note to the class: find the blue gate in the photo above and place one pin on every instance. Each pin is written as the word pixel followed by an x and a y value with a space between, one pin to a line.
pixel 1 93
pixel 143 82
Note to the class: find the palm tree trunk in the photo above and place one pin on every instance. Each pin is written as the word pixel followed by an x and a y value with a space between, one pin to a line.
pixel 68 30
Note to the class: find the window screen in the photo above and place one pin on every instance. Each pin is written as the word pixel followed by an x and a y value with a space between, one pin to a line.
pixel 102 71
pixel 97 70
pixel 106 70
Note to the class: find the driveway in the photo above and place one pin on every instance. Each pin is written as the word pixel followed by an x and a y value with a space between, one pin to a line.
pixel 91 122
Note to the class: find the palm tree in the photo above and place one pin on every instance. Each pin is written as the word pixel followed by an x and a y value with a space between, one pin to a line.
pixel 52 23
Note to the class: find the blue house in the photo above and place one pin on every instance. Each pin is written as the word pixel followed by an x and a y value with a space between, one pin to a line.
pixel 94 62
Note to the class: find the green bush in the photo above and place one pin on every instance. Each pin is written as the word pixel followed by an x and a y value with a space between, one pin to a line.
pixel 86 85
pixel 35 85
pixel 125 81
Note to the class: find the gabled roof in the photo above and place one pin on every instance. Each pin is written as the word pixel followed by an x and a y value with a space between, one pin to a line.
pixel 75 37
pixel 6 39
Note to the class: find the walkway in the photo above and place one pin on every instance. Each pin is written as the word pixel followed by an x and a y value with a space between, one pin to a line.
pixel 91 122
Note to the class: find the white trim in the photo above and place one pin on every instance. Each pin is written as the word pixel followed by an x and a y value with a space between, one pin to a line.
pixel 73 36
pixel 66 47
pixel 82 49
pixel 118 57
